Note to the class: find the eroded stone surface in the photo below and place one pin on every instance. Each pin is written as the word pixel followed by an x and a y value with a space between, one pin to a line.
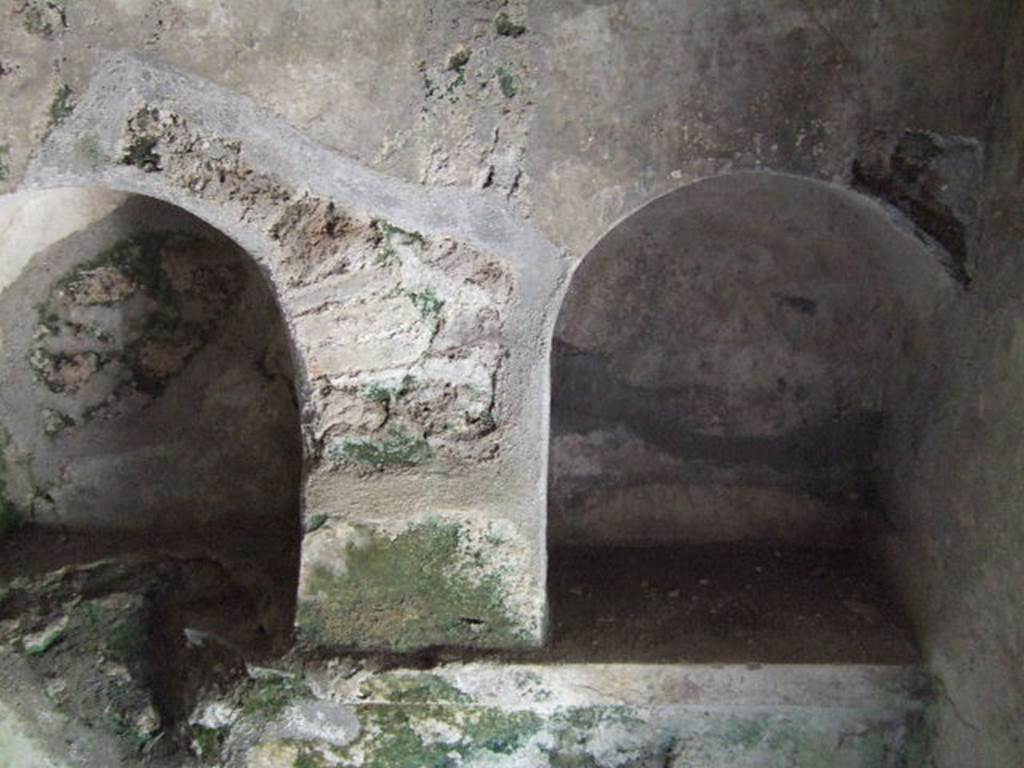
pixel 605 716
pixel 135 316
pixel 436 581
pixel 371 304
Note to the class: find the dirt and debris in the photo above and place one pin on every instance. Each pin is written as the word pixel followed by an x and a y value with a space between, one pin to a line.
pixel 175 650
pixel 125 631
pixel 722 604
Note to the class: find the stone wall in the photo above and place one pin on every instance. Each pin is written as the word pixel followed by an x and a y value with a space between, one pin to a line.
pixel 449 163
pixel 410 318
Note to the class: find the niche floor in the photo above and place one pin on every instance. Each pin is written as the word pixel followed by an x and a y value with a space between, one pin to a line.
pixel 250 603
pixel 722 604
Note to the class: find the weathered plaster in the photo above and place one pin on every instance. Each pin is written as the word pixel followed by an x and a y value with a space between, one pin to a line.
pixel 474 288
pixel 954 474
pixel 129 340
pixel 722 364
pixel 592 111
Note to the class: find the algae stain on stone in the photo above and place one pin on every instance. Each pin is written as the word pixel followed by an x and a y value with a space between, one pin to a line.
pixel 62 105
pixel 439 736
pixel 181 300
pixel 398 688
pixel 415 589
pixel 397 449
pixel 507 83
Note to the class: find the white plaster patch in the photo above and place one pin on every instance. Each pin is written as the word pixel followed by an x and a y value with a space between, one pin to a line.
pixel 433 731
pixel 28 224
pixel 378 334
pixel 326 548
pixel 322 721
pixel 216 714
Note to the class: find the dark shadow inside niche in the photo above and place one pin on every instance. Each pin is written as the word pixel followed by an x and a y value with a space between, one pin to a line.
pixel 153 453
pixel 722 370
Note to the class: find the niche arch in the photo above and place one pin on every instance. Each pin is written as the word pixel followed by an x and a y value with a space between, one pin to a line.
pixel 150 398
pixel 724 370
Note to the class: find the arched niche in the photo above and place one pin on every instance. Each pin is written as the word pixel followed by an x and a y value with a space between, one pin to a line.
pixel 722 375
pixel 148 399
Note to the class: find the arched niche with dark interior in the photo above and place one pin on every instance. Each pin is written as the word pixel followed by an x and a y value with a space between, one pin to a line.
pixel 148 417
pixel 722 378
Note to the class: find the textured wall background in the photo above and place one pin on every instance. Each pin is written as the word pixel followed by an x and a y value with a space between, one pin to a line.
pixel 593 109
pixel 955 474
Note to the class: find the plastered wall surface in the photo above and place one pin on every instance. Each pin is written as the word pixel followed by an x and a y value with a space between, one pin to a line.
pixel 954 488
pixel 407 316
pixel 591 110
pixel 427 165
pixel 129 343
pixel 721 366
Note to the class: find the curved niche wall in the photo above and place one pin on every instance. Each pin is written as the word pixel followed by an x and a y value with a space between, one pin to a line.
pixel 721 378
pixel 147 390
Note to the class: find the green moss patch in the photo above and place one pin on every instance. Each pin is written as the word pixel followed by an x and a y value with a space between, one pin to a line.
pixel 266 697
pixel 141 152
pixel 45 18
pixel 40 643
pixel 10 518
pixel 397 449
pixel 206 743
pixel 398 737
pixel 307 759
pixel 427 302
pixel 507 83
pixel 116 626
pixel 61 106
pixel 386 394
pixel 505 27
pixel 416 688
pixel 387 235
pixel 458 60
pixel 414 590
